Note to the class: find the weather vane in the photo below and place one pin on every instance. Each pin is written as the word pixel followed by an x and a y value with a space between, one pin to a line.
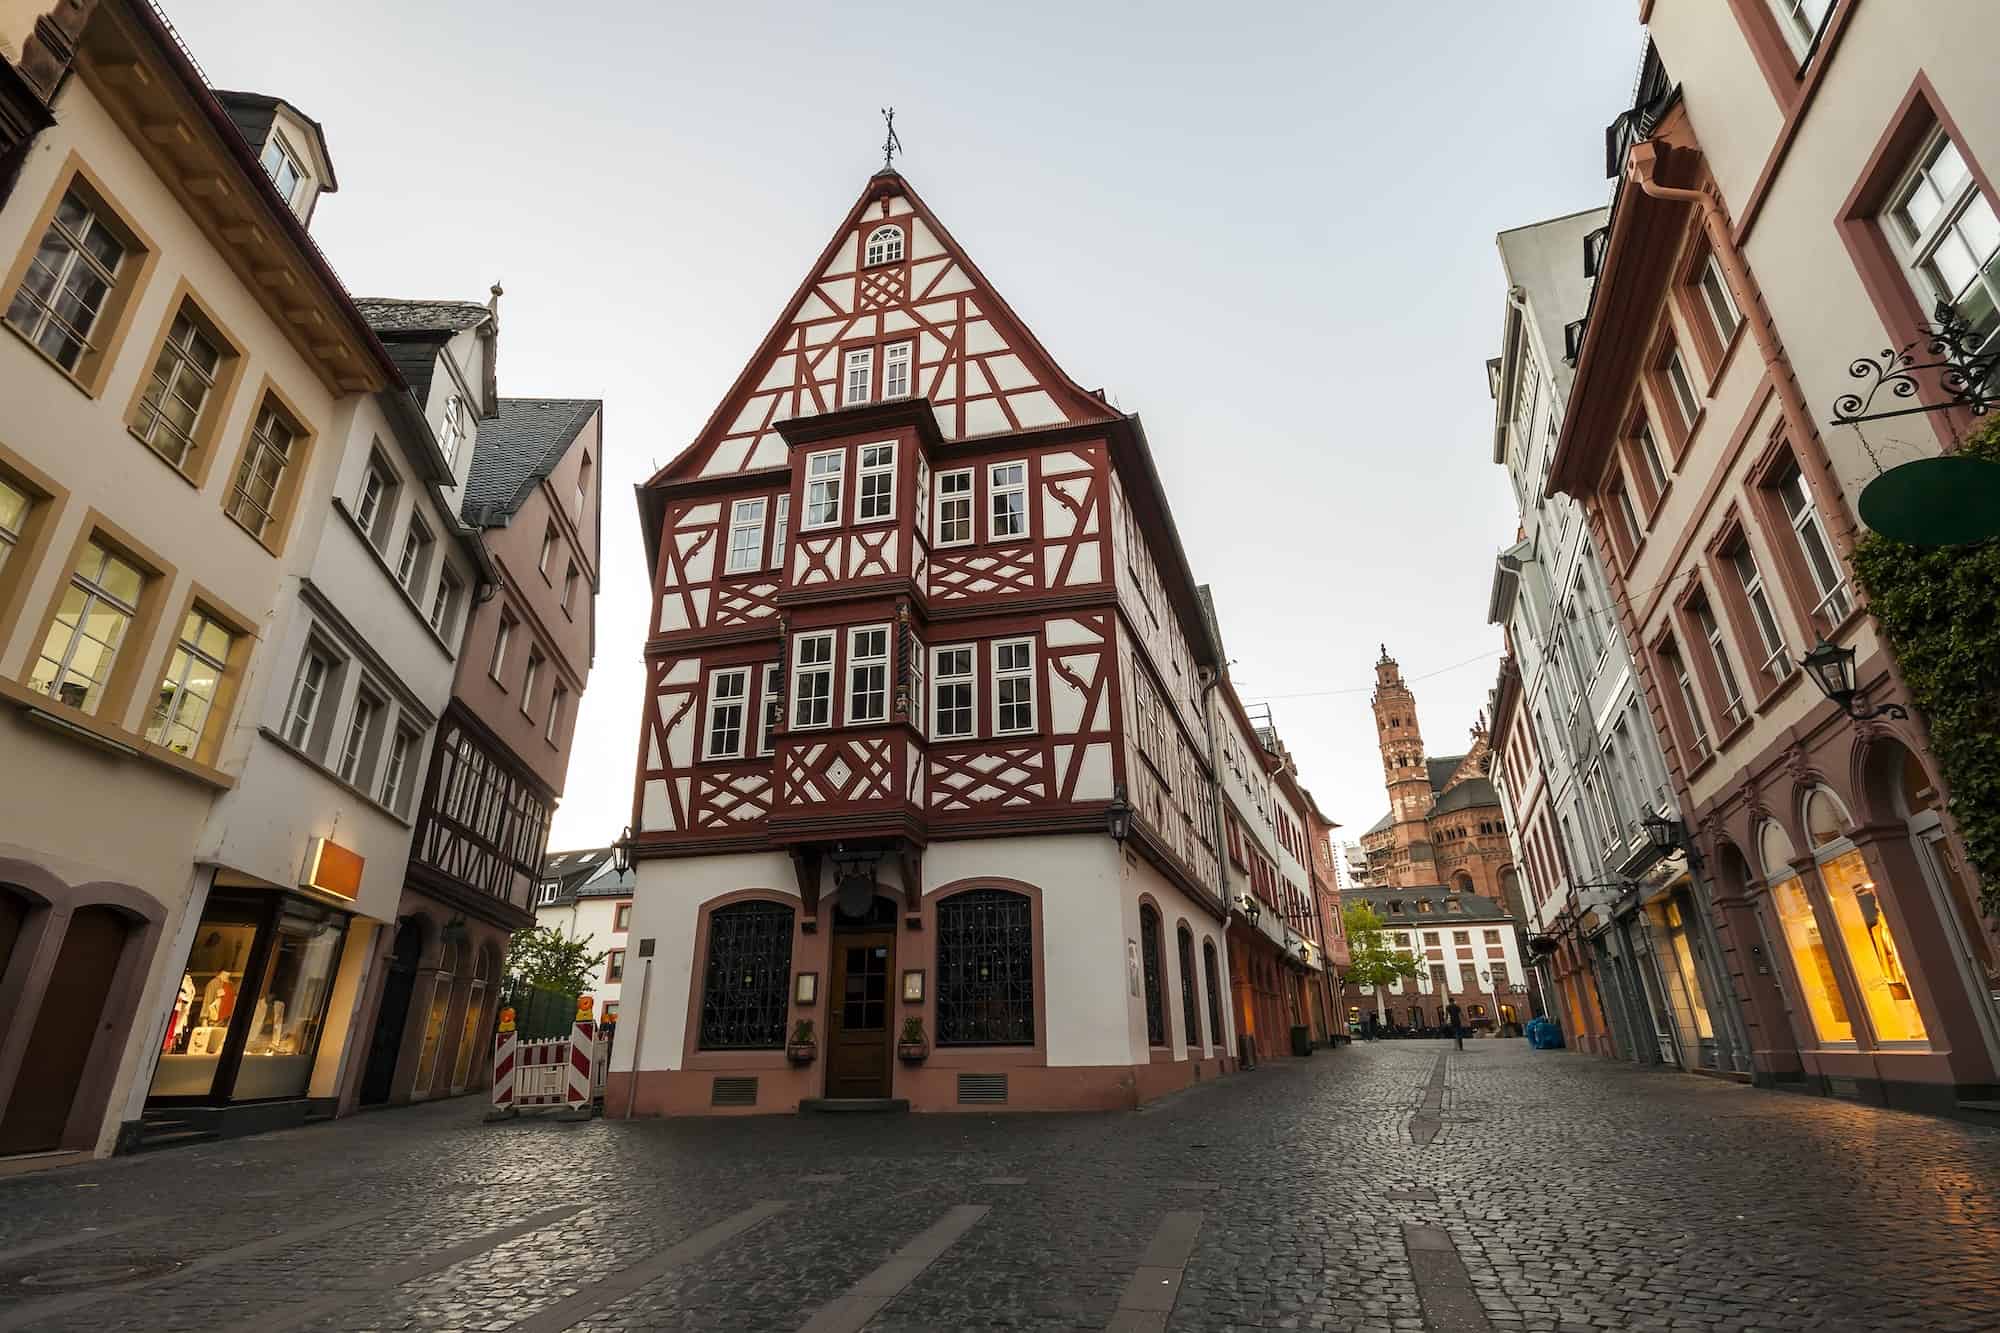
pixel 891 145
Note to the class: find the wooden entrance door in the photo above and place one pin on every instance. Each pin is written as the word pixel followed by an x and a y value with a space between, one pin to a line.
pixel 386 1048
pixel 857 1060
pixel 66 1026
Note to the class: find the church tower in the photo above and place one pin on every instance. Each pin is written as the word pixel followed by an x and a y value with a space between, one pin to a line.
pixel 1404 773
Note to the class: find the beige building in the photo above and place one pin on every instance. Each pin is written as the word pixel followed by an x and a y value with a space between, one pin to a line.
pixel 1799 185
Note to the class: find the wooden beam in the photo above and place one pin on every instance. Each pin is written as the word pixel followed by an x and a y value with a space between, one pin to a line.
pixel 305 316
pixel 330 351
pixel 169 133
pixel 207 186
pixel 130 73
pixel 243 233
pixel 277 277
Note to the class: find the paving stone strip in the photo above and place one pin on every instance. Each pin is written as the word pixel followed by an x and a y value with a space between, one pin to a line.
pixel 20 1252
pixel 1156 1283
pixel 38 1312
pixel 1444 1288
pixel 865 1299
pixel 571 1309
pixel 380 1281
pixel 1424 1125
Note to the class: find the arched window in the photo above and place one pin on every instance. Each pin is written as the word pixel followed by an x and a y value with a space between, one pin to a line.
pixel 1190 1007
pixel 747 979
pixel 985 969
pixel 1861 921
pixel 1149 951
pixel 473 1035
pixel 885 245
pixel 1208 970
pixel 1811 963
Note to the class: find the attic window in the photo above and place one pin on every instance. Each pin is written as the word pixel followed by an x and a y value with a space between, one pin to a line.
pixel 885 245
pixel 281 164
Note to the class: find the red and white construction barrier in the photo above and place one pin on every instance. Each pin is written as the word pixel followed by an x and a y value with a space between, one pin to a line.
pixel 559 1072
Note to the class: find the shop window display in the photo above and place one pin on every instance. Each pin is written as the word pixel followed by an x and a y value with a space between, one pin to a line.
pixel 434 1023
pixel 198 1025
pixel 284 1022
pixel 1810 961
pixel 473 1036
pixel 1864 926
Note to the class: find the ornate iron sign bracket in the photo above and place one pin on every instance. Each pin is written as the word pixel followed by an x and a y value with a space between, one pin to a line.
pixel 1965 373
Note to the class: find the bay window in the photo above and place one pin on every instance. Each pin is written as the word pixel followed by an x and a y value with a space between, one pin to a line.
pixel 812 680
pixel 768 694
pixel 954 680
pixel 868 674
pixel 823 478
pixel 1674 373
pixel 875 483
pixel 781 518
pixel 954 507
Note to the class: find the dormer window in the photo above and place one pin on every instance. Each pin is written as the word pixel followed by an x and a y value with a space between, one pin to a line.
pixel 885 246
pixel 281 164
pixel 454 428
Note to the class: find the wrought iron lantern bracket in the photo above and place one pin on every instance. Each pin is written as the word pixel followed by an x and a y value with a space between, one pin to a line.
pixel 1964 370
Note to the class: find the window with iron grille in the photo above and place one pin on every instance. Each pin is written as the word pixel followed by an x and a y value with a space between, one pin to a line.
pixel 985 969
pixel 747 978
pixel 1208 972
pixel 1190 1007
pixel 1149 949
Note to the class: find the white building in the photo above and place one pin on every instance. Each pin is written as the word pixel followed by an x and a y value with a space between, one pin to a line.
pixel 586 897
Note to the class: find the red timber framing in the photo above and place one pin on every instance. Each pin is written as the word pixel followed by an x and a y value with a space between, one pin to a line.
pixel 889 599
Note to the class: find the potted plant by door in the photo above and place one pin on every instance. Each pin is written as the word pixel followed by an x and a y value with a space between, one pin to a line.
pixel 913 1046
pixel 802 1048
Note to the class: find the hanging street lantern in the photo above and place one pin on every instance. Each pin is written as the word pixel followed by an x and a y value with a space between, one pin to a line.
pixel 1832 670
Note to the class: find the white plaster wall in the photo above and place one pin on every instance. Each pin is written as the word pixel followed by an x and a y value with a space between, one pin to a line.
pixel 1139 876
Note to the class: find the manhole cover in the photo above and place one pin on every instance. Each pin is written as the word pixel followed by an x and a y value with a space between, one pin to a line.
pixel 97 1275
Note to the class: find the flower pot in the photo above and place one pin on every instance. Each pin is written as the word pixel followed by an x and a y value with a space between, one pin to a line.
pixel 912 1052
pixel 802 1052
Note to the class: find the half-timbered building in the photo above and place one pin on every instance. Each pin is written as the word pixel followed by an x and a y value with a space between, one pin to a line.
pixel 924 805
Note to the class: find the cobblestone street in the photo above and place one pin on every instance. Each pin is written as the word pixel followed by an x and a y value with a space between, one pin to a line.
pixel 1556 1192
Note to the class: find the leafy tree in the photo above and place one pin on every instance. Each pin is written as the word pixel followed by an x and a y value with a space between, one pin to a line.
pixel 1371 961
pixel 544 956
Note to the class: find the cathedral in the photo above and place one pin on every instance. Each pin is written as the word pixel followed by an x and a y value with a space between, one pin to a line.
pixel 1444 825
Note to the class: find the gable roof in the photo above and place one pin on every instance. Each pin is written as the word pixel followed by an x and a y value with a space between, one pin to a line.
pixel 1439 768
pixel 392 315
pixel 516 450
pixel 1469 793
pixel 1384 822
pixel 980 367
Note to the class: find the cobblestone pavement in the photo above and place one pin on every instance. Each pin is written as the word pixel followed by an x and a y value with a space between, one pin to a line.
pixel 1559 1192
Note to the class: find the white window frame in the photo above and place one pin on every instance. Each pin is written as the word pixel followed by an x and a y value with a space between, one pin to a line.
pixel 415 542
pixel 1756 595
pixel 1918 246
pixel 503 639
pixel 883 246
pixel 767 677
pixel 278 154
pixel 1795 20
pixel 1718 300
pixel 570 576
pixel 823 489
pixel 898 367
pixel 185 379
pixel 188 647
pixel 875 463
pixel 1649 450
pixel 942 679
pixel 15 505
pixel 860 661
pixel 359 719
pixel 736 703
pixel 528 675
pixel 1689 700
pixel 1809 532
pixel 37 309
pixel 451 433
pixel 264 449
pixel 995 489
pixel 557 698
pixel 857 376
pixel 308 693
pixel 95 595
pixel 746 520
pixel 444 602
pixel 781 517
pixel 1016 674
pixel 949 499
pixel 1681 386
pixel 396 769
pixel 377 486
pixel 820 669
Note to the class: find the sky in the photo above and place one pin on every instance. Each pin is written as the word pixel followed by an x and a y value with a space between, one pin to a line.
pixel 1267 229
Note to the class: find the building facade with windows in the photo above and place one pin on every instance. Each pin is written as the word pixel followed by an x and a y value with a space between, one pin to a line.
pixel 924 749
pixel 1627 955
pixel 175 425
pixel 1466 948
pixel 1807 194
pixel 585 896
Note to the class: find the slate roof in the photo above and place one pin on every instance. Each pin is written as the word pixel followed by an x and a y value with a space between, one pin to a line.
pixel 1384 822
pixel 1471 792
pixel 1476 907
pixel 518 448
pixel 1440 769
pixel 608 883
pixel 389 315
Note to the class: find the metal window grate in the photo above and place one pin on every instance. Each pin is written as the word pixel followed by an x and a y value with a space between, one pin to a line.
pixel 733 1092
pixel 982 1089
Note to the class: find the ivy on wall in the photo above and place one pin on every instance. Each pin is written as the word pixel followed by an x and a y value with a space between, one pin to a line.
pixel 1940 608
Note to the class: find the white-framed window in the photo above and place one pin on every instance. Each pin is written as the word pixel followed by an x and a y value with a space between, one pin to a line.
pixel 1526 382
pixel 1649 452
pixel 359 723
pixel 1006 500
pixel 1685 685
pixel 896 370
pixel 582 486
pixel 1945 231
pixel 529 677
pixel 746 537
pixel 1828 579
pixel 1802 22
pixel 1686 402
pixel 781 518
pixel 558 702
pixel 178 388
pixel 954 507
pixel 503 639
pixel 416 554
pixel 14 505
pixel 812 680
pixel 97 609
pixel 453 432
pixel 868 674
pixel 73 273
pixel 955 678
pixel 885 246
pixel 728 700
pixel 371 509
pixel 767 692
pixel 444 602
pixel 1751 580
pixel 260 477
pixel 857 375
pixel 308 687
pixel 194 673
pixel 548 550
pixel 1013 686
pixel 569 585
pixel 823 477
pixel 875 483
pixel 918 702
pixel 1718 300
pixel 281 164
pixel 396 773
pixel 1628 517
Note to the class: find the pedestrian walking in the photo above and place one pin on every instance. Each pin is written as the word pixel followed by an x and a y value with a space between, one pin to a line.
pixel 1452 1015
